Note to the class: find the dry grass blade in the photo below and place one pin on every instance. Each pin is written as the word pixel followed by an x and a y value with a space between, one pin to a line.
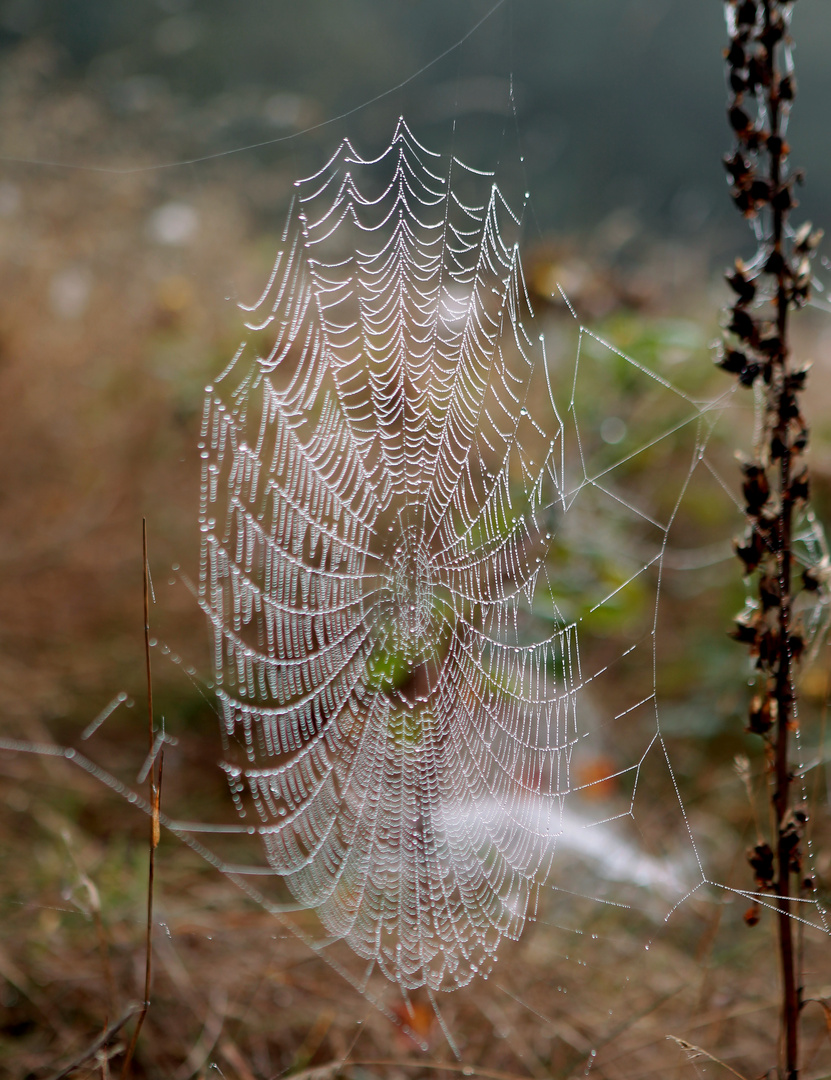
pixel 201 1051
pixel 94 905
pixel 94 1048
pixel 333 1068
pixel 694 1051
pixel 319 1072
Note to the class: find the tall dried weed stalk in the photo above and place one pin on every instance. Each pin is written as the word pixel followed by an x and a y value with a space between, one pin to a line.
pixel 775 480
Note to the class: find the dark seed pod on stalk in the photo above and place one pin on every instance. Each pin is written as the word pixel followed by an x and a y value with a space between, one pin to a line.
pixel 755 488
pixel 741 285
pixel 761 860
pixel 750 551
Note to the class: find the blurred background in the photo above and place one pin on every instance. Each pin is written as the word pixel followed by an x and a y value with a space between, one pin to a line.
pixel 147 155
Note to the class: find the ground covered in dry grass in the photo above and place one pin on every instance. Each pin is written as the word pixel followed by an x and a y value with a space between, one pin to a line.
pixel 235 990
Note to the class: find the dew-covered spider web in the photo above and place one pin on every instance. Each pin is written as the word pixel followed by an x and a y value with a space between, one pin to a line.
pixel 396 514
pixel 398 684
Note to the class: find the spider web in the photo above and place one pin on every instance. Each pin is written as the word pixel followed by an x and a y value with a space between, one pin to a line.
pixel 397 683
pixel 400 552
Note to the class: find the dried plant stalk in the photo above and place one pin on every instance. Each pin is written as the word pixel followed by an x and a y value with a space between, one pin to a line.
pixel 757 352
pixel 155 786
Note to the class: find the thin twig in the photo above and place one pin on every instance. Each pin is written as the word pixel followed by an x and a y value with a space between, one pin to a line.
pixel 154 781
pixel 106 1035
